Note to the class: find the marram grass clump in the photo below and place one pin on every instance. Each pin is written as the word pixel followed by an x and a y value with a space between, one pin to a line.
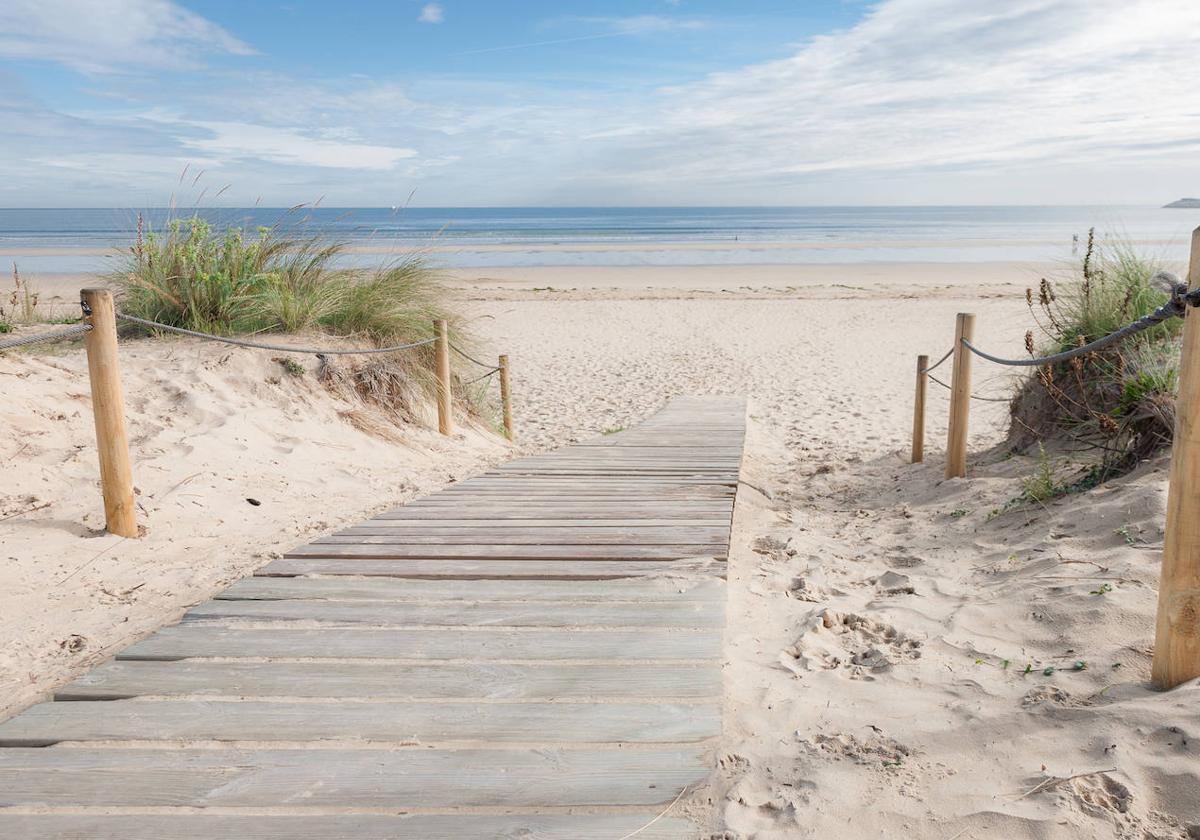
pixel 239 283
pixel 1117 402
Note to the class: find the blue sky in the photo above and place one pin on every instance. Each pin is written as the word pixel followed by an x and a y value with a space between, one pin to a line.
pixel 106 103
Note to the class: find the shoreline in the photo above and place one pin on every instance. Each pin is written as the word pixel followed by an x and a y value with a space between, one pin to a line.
pixel 633 245
pixel 897 279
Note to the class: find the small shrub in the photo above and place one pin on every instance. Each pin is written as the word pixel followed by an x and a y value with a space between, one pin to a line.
pixel 1042 484
pixel 290 365
pixel 22 304
pixel 233 282
pixel 1119 400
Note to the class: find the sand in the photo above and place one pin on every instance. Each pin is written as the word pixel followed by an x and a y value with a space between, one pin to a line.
pixel 889 635
pixel 211 427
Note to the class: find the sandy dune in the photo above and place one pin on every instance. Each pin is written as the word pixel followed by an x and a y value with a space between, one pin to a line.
pixel 902 661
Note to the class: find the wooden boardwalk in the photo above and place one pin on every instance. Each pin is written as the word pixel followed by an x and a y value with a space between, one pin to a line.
pixel 532 653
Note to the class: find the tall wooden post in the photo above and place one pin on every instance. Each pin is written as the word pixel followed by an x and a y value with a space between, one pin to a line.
pixel 108 407
pixel 918 442
pixel 445 419
pixel 506 398
pixel 1177 631
pixel 960 398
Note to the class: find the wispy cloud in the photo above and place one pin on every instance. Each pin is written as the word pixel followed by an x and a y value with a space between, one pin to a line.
pixel 1054 101
pixel 921 85
pixel 432 13
pixel 107 35
pixel 646 24
pixel 611 27
pixel 291 147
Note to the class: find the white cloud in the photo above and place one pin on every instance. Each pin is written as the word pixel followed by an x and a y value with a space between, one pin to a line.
pixel 432 13
pixel 288 146
pixel 647 24
pixel 104 35
pixel 930 85
pixel 1056 101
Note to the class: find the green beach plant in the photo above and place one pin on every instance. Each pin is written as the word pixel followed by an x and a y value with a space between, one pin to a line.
pixel 236 283
pixel 1118 401
pixel 21 306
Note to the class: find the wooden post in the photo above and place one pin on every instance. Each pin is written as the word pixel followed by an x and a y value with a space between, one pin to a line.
pixel 918 443
pixel 960 398
pixel 506 398
pixel 108 406
pixel 445 419
pixel 1177 632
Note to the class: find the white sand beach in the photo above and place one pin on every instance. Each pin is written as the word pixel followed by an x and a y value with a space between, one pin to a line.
pixel 902 661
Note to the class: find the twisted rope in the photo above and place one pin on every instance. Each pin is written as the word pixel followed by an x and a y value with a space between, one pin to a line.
pixel 1176 307
pixel 949 353
pixel 491 372
pixel 468 356
pixel 973 396
pixel 278 348
pixel 20 341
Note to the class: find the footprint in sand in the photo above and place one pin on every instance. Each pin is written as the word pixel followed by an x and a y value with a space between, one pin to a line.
pixel 876 750
pixel 860 645
pixel 1101 795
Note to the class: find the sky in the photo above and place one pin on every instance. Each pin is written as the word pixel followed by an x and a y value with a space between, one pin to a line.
pixel 133 103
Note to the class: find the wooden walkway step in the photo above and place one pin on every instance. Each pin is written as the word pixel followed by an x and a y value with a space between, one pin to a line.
pixel 532 653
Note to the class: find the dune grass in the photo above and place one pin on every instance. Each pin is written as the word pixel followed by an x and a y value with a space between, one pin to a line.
pixel 1118 401
pixel 235 282
pixel 20 305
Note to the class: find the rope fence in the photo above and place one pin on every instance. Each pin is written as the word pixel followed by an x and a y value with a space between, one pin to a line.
pixel 1176 657
pixel 979 397
pixel 59 335
pixel 487 375
pixel 468 356
pixel 112 439
pixel 276 348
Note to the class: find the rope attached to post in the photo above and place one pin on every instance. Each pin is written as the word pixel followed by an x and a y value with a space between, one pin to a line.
pixel 933 366
pixel 469 357
pixel 1177 307
pixel 21 341
pixel 973 396
pixel 490 373
pixel 278 348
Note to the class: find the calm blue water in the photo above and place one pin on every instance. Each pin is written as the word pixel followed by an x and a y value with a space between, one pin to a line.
pixel 631 236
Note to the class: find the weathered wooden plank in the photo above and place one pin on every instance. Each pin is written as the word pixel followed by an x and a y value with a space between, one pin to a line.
pixel 695 587
pixel 687 506
pixel 483 569
pixel 382 649
pixel 338 547
pixel 191 641
pixel 534 536
pixel 384 680
pixel 693 614
pixel 496 478
pixel 446 722
pixel 584 512
pixel 551 519
pixel 392 779
pixel 474 495
pixel 565 522
pixel 202 826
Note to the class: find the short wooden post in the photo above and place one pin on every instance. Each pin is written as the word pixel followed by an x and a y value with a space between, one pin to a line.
pixel 506 398
pixel 445 419
pixel 108 407
pixel 960 398
pixel 918 442
pixel 1177 632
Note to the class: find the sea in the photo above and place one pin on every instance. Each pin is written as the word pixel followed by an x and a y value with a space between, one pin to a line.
pixel 85 240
